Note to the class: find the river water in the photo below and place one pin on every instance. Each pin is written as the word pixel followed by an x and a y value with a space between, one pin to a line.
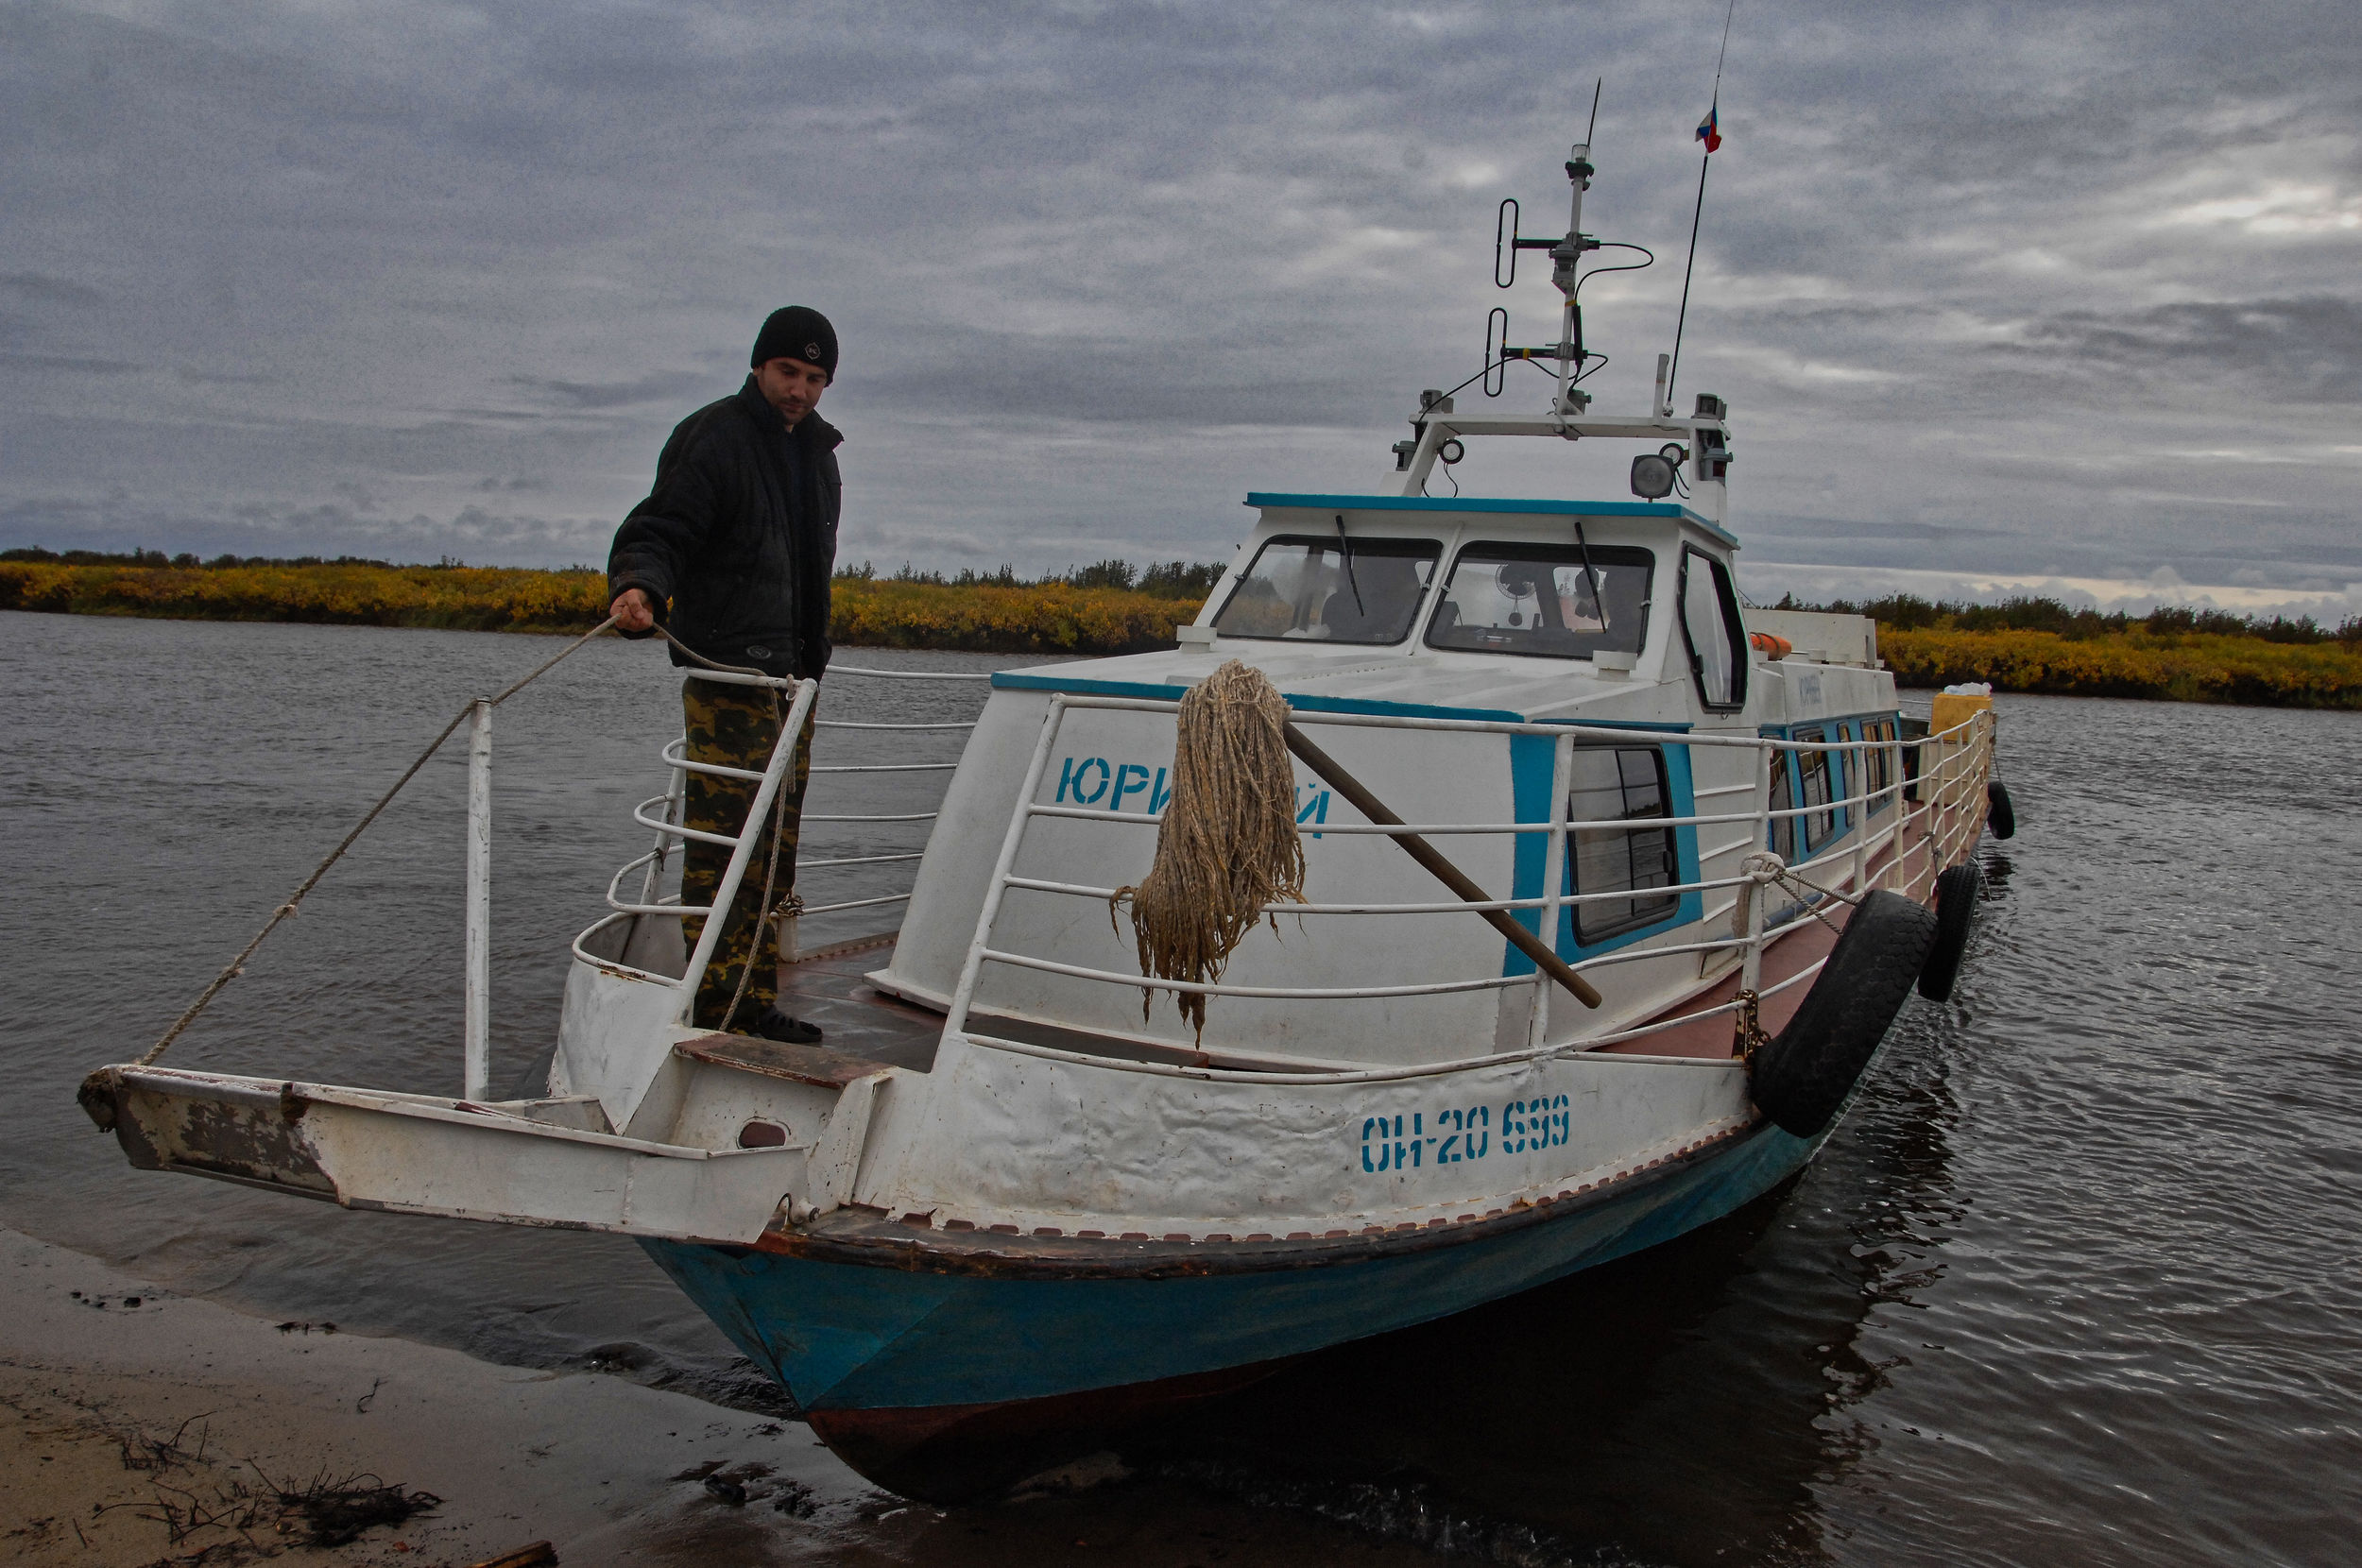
pixel 2074 1283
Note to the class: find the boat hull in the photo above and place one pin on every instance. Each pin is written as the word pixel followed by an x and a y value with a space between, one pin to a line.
pixel 943 1380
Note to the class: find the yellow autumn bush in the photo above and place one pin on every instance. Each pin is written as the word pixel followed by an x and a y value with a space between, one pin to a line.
pixel 1056 618
pixel 1045 619
pixel 2184 668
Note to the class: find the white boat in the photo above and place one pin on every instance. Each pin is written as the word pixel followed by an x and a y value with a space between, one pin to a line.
pixel 1004 1209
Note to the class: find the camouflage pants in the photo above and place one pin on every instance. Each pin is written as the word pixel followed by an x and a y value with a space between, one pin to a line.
pixel 735 727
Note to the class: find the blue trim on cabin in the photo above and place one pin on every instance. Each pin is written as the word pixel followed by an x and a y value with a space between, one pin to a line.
pixel 1007 680
pixel 1530 771
pixel 854 1336
pixel 1841 726
pixel 1477 504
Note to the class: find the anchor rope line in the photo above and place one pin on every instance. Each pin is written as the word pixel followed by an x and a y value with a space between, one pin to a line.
pixel 1766 868
pixel 778 825
pixel 684 648
pixel 770 874
pixel 237 965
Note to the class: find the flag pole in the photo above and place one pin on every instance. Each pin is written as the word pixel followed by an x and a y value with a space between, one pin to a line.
pixel 1711 134
pixel 1683 319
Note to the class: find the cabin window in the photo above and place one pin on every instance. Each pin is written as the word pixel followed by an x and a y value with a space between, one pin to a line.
pixel 1816 784
pixel 1711 626
pixel 1782 794
pixel 1877 764
pixel 1316 588
pixel 1542 599
pixel 1618 784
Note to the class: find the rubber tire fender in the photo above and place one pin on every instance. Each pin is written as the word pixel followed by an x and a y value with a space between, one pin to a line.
pixel 1800 1078
pixel 1999 814
pixel 1958 890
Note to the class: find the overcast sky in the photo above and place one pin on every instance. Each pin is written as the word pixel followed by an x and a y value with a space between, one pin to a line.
pixel 1999 295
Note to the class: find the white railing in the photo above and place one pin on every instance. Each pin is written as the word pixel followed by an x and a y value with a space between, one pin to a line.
pixel 661 813
pixel 1944 805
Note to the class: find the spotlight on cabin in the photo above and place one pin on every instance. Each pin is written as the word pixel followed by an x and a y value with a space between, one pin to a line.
pixel 1652 476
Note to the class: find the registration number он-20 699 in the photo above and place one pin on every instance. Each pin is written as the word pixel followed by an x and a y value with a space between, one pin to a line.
pixel 1402 1142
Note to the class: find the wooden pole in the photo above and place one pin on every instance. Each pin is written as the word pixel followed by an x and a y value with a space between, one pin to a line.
pixel 1442 869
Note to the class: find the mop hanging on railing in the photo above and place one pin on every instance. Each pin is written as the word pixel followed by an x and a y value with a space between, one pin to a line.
pixel 1228 845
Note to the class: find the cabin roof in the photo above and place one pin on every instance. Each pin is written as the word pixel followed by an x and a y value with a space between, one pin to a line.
pixel 1430 683
pixel 1270 500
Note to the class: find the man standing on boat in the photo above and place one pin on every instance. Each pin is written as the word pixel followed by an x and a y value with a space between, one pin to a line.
pixel 732 552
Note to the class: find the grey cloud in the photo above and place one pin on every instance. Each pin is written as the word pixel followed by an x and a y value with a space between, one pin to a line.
pixel 40 286
pixel 658 386
pixel 477 534
pixel 2308 348
pixel 69 363
pixel 1098 269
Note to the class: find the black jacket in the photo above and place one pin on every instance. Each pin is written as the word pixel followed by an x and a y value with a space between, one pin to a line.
pixel 735 544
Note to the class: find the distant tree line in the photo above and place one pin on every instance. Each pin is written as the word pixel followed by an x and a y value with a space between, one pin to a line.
pixel 189 560
pixel 1909 612
pixel 1158 579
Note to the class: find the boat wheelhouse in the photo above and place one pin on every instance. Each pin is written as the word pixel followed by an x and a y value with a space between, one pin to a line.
pixel 1017 1198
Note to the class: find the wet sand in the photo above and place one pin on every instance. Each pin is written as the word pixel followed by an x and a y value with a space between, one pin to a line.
pixel 596 1465
pixel 606 1471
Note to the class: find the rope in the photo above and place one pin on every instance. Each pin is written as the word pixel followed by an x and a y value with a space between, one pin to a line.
pixel 1767 868
pixel 237 965
pixel 770 872
pixel 727 669
pixel 1228 844
pixel 779 825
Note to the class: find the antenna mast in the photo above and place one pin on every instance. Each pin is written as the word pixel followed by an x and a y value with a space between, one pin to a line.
pixel 1711 134
pixel 1566 258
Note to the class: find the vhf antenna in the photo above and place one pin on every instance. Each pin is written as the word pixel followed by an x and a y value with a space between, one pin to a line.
pixel 1711 134
pixel 1566 258
pixel 1565 266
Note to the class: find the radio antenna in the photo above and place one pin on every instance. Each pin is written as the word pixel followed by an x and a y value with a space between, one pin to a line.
pixel 1710 133
pixel 1595 105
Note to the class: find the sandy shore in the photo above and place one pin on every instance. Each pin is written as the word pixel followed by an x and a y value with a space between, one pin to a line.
pixel 115 1418
pixel 92 1384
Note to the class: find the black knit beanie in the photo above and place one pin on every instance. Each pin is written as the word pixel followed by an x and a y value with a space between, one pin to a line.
pixel 797 332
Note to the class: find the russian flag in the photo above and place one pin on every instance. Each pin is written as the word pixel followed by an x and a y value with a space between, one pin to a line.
pixel 1711 129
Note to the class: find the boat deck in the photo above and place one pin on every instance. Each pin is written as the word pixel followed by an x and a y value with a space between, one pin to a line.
pixel 826 987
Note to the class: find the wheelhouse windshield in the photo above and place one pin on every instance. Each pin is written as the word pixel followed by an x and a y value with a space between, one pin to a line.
pixel 1538 599
pixel 1309 587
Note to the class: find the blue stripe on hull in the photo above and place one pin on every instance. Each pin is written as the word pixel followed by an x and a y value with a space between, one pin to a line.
pixel 849 1337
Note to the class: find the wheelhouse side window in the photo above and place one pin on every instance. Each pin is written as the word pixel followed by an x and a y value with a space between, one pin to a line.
pixel 1879 764
pixel 1620 784
pixel 1782 793
pixel 1541 599
pixel 1317 588
pixel 1844 771
pixel 1813 776
pixel 1711 627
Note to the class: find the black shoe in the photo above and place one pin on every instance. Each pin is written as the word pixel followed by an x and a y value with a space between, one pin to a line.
pixel 776 1025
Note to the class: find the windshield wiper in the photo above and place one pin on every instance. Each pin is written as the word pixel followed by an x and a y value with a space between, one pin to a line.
pixel 1345 548
pixel 1599 605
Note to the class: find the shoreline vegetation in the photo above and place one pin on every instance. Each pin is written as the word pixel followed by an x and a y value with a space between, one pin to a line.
pixel 2032 645
pixel 2173 653
pixel 1109 608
